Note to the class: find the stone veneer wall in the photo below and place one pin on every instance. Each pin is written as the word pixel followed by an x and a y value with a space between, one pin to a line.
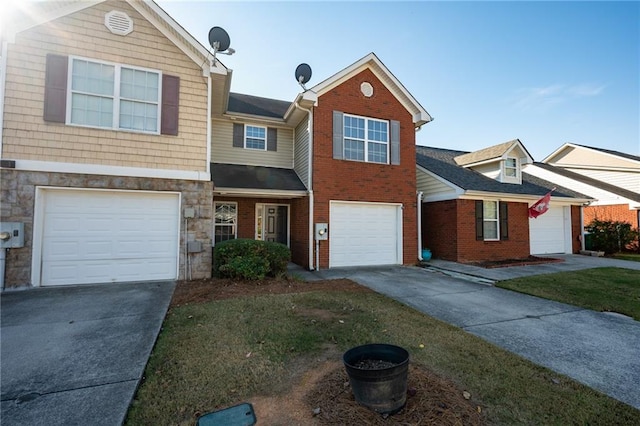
pixel 17 204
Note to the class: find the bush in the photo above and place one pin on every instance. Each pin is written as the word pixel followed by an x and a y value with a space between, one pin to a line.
pixel 611 236
pixel 250 259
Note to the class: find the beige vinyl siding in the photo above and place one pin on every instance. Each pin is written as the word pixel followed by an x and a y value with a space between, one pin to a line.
pixel 28 137
pixel 587 157
pixel 301 152
pixel 430 186
pixel 627 180
pixel 223 151
pixel 491 170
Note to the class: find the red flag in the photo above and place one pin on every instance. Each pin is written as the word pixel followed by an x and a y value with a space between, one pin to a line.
pixel 541 206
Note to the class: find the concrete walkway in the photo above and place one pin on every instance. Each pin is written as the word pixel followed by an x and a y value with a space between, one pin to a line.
pixel 75 355
pixel 598 349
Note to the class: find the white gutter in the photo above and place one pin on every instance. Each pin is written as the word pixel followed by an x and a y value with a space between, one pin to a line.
pixel 309 111
pixel 582 247
pixel 420 193
pixel 3 79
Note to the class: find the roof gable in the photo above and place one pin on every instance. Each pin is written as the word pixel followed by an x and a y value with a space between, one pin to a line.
pixel 582 155
pixel 371 62
pixel 494 153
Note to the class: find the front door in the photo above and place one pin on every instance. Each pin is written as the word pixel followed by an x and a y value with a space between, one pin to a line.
pixel 276 223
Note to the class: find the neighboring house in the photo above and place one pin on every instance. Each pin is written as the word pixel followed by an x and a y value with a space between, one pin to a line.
pixel 475 206
pixel 105 138
pixel 340 157
pixel 612 178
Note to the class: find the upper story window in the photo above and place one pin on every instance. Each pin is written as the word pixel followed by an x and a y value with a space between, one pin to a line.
pixel 104 95
pixel 511 167
pixel 255 137
pixel 366 139
pixel 114 96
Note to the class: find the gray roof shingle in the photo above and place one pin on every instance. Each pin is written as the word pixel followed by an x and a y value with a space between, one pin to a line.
pixel 255 105
pixel 442 162
pixel 255 177
pixel 590 181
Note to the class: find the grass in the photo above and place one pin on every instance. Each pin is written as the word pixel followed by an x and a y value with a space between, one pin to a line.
pixel 635 257
pixel 600 289
pixel 220 353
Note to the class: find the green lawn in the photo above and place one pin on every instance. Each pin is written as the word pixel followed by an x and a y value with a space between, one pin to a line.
pixel 600 289
pixel 220 353
pixel 627 256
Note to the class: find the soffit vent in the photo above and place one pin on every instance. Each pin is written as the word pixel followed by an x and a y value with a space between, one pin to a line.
pixel 118 23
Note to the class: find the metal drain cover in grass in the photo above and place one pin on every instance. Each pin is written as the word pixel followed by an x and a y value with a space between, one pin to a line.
pixel 238 415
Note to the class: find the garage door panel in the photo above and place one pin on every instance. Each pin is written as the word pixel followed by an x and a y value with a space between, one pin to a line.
pixel 109 236
pixel 547 232
pixel 364 234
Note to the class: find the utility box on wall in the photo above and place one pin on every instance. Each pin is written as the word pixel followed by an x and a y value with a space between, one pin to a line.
pixel 11 235
pixel 322 231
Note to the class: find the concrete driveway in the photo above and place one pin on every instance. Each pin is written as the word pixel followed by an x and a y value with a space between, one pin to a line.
pixel 75 355
pixel 598 349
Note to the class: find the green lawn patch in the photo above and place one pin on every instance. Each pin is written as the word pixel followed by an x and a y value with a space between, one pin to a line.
pixel 600 289
pixel 627 256
pixel 220 353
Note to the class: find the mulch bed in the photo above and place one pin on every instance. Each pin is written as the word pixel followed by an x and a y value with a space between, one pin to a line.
pixel 431 400
pixel 505 263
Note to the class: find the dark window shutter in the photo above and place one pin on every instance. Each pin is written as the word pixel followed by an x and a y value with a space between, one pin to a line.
pixel 170 104
pixel 479 220
pixel 272 139
pixel 338 136
pixel 238 135
pixel 504 221
pixel 395 142
pixel 55 88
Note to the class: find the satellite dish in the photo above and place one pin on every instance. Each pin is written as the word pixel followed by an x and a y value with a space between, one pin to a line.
pixel 219 39
pixel 303 74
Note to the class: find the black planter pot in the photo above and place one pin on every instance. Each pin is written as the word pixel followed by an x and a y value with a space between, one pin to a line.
pixel 381 390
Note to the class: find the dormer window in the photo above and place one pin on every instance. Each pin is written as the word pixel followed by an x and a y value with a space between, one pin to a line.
pixel 511 167
pixel 511 170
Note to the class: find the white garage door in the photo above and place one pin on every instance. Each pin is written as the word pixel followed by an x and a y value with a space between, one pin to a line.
pixel 365 234
pixel 108 236
pixel 551 232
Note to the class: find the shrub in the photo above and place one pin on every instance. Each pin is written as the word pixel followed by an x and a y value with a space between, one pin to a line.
pixel 611 236
pixel 250 259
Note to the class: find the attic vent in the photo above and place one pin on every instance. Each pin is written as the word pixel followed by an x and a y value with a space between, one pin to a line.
pixel 367 89
pixel 118 22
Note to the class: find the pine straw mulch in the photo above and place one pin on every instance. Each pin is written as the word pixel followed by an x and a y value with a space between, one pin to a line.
pixel 431 400
pixel 323 383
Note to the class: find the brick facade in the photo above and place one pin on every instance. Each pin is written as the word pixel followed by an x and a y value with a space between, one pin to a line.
pixel 361 181
pixel 616 212
pixel 298 226
pixel 449 230
pixel 17 189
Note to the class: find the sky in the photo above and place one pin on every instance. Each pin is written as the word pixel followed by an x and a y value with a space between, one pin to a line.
pixel 546 73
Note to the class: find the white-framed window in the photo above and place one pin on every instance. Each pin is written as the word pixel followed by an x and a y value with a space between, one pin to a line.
pixel 225 221
pixel 255 137
pixel 490 224
pixel 113 96
pixel 511 168
pixel 366 139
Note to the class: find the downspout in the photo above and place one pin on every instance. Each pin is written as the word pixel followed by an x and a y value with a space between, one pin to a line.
pixel 419 209
pixel 3 80
pixel 209 100
pixel 582 247
pixel 309 111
